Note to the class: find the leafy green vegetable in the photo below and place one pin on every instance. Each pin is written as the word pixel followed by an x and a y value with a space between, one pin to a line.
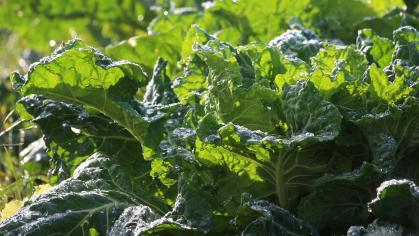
pixel 402 196
pixel 230 118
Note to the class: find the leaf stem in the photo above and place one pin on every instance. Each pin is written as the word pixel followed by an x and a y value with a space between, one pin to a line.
pixel 281 189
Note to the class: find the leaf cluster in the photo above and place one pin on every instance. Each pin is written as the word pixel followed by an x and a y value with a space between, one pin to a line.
pixel 227 128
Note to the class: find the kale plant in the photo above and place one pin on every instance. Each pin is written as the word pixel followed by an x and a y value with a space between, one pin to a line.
pixel 260 134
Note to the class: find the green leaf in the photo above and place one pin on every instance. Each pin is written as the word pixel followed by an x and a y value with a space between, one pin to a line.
pixel 299 122
pixel 340 19
pixel 386 90
pixel 390 134
pixel 407 48
pixel 397 201
pixel 334 65
pixel 339 201
pixel 145 50
pixel 290 164
pixel 233 92
pixel 240 22
pixel 191 215
pixel 308 115
pixel 189 86
pixel 195 35
pixel 159 90
pixel 379 49
pixel 233 173
pixel 265 218
pixel 71 134
pixel 302 44
pixel 271 63
pixel 181 18
pixel 405 35
pixel 408 165
pixel 81 75
pixel 294 70
pixel 98 194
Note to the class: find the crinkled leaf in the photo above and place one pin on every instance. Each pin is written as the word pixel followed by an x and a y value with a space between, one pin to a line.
pixel 397 201
pixel 379 49
pixel 334 65
pixel 71 134
pixel 81 75
pixel 302 44
pixel 339 201
pixel 264 218
pixel 233 173
pixel 386 90
pixel 289 172
pixel 191 215
pixel 391 134
pixel 195 35
pixel 407 48
pixel 96 196
pixel 159 90
pixel 308 115
pixel 233 92
pixel 293 70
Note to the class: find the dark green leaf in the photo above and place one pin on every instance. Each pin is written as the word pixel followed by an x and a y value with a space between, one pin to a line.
pixel 96 196
pixel 397 201
pixel 339 201
pixel 264 218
